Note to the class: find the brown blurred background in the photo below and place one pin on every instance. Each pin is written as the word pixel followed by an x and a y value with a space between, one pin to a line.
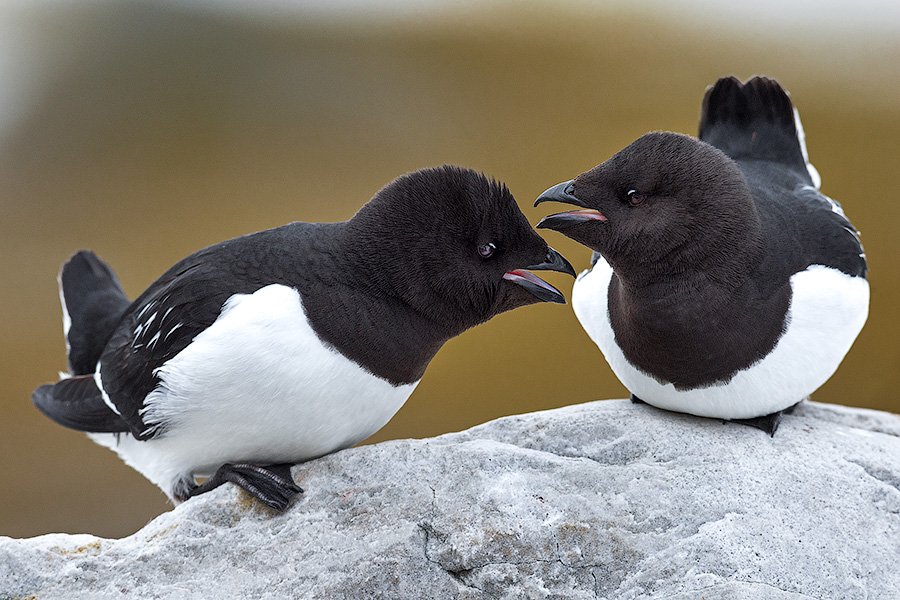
pixel 148 130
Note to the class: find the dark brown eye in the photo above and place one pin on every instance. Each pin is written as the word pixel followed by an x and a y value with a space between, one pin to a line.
pixel 634 197
pixel 486 250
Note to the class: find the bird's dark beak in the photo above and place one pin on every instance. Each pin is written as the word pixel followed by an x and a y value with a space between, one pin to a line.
pixel 536 286
pixel 564 192
pixel 561 192
pixel 554 262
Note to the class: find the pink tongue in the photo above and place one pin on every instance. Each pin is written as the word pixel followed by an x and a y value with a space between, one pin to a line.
pixel 518 274
pixel 588 213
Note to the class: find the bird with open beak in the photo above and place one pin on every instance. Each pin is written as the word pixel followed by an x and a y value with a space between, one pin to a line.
pixel 724 283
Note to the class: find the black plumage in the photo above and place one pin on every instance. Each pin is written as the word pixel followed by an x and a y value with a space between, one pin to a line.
pixel 427 258
pixel 94 303
pixel 703 236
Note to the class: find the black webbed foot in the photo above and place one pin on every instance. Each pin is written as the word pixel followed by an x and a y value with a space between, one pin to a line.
pixel 790 409
pixel 637 400
pixel 271 484
pixel 767 423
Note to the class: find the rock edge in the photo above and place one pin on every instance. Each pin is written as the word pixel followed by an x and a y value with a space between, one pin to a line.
pixel 600 500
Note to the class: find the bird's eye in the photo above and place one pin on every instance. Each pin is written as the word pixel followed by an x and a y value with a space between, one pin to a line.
pixel 634 197
pixel 486 250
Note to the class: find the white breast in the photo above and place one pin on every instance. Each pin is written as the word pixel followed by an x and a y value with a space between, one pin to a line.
pixel 259 386
pixel 828 310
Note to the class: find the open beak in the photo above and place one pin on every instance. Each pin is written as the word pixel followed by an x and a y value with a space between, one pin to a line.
pixel 564 192
pixel 536 286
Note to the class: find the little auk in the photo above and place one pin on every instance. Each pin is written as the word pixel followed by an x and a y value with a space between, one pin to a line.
pixel 288 344
pixel 723 284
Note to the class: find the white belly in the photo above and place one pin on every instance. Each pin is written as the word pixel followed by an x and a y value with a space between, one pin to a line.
pixel 256 386
pixel 827 312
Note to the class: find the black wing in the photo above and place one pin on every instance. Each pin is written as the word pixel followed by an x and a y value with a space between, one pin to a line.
pixel 755 124
pixel 77 403
pixel 828 237
pixel 186 300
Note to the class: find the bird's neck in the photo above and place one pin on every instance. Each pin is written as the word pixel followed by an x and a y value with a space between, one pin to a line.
pixel 365 316
pixel 385 264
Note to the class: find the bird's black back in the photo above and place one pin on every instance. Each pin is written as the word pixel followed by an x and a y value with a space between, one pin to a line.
pixel 800 226
pixel 755 124
pixel 189 297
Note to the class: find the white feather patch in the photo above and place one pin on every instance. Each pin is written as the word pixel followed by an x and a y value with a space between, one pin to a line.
pixel 258 385
pixel 67 320
pixel 801 137
pixel 828 310
pixel 99 381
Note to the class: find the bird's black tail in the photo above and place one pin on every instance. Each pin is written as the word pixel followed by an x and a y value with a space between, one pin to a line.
pixel 77 403
pixel 93 303
pixel 756 121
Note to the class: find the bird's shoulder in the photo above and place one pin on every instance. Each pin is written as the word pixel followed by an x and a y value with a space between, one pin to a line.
pixel 189 297
pixel 192 292
pixel 804 227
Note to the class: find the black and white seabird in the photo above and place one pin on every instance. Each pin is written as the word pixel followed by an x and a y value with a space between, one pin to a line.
pixel 291 343
pixel 724 283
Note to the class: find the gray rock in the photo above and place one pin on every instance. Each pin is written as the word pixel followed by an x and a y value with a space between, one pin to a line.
pixel 601 500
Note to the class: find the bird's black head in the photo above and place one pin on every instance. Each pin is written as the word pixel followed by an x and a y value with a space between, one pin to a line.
pixel 453 245
pixel 665 203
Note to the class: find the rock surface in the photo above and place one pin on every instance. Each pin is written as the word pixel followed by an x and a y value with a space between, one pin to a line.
pixel 600 500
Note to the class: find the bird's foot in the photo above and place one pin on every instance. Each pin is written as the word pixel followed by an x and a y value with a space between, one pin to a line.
pixel 790 409
pixel 270 484
pixel 768 423
pixel 637 400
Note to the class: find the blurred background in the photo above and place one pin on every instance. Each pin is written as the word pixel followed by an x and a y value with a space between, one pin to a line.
pixel 147 130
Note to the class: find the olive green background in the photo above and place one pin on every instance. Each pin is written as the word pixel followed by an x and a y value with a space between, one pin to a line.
pixel 156 131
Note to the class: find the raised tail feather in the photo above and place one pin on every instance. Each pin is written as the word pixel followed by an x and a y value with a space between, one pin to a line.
pixel 755 121
pixel 77 403
pixel 93 303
